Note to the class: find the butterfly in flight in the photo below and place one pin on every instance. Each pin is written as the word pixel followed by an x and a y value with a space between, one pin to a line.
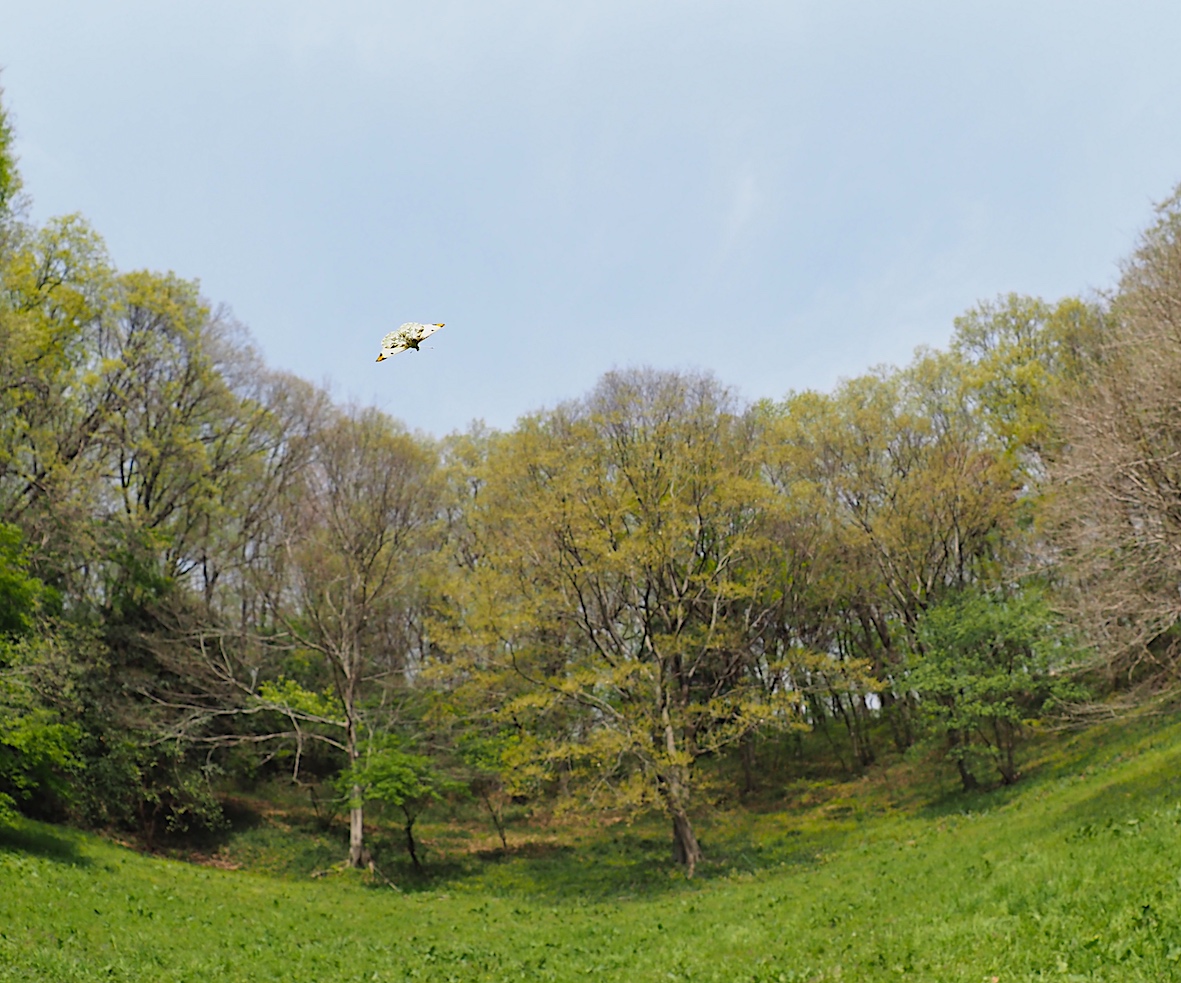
pixel 409 335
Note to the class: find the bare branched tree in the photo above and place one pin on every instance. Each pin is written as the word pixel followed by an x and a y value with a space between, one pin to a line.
pixel 1117 477
pixel 357 525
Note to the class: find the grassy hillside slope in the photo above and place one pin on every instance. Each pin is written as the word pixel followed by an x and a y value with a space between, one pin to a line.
pixel 1074 874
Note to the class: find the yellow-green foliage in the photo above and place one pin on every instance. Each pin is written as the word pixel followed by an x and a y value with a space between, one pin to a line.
pixel 287 696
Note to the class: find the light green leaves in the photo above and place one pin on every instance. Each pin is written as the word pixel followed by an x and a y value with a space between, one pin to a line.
pixel 287 696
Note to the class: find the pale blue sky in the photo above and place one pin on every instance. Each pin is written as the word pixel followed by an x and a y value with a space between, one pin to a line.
pixel 782 193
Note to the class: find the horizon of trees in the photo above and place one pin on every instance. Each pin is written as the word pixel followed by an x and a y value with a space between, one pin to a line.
pixel 209 569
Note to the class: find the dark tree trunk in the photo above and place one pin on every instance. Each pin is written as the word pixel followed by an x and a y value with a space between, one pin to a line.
pixel 1006 743
pixel 967 779
pixel 497 819
pixel 411 846
pixel 957 742
pixel 895 711
pixel 747 755
pixel 821 715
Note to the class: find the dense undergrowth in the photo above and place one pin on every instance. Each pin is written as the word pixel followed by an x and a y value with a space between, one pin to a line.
pixel 1071 874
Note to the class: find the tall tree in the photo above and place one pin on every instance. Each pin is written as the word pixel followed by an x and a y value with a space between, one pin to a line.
pixel 1116 479
pixel 620 588
pixel 357 528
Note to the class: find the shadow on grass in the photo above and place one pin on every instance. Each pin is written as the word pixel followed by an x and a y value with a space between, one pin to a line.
pixel 1130 797
pixel 623 864
pixel 525 867
pixel 730 853
pixel 40 841
pixel 954 802
pixel 1090 759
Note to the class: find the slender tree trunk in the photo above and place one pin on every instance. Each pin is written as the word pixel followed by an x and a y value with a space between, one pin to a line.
pixel 747 754
pixel 901 714
pixel 356 831
pixel 862 716
pixel 497 819
pixel 894 711
pixel 1006 742
pixel 357 853
pixel 821 716
pixel 898 712
pixel 411 846
pixel 838 706
pixel 674 788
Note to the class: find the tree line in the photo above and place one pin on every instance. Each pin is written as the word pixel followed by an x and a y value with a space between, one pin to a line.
pixel 210 568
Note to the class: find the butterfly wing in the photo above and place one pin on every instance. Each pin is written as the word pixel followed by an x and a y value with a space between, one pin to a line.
pixel 395 341
pixel 416 333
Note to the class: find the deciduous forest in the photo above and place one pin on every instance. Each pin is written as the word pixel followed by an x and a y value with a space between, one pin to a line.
pixel 653 600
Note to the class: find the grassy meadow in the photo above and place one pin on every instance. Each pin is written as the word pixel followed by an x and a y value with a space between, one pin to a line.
pixel 1073 874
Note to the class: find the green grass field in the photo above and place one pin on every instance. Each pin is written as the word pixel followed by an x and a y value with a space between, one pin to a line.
pixel 1074 874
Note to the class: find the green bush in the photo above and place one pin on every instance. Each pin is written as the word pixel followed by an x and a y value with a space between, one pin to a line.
pixel 989 663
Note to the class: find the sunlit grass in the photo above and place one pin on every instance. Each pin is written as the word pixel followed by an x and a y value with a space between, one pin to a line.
pixel 1075 873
